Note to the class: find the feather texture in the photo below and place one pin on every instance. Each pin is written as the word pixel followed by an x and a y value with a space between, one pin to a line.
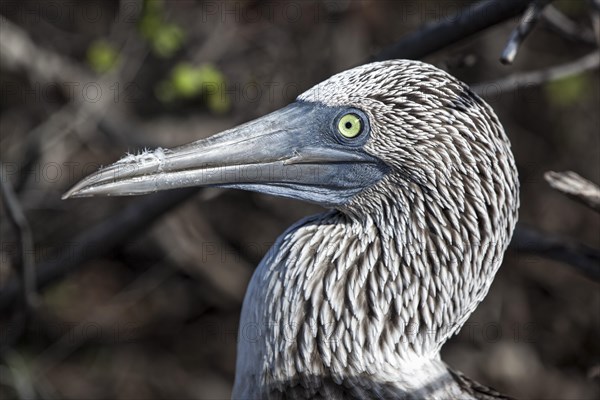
pixel 357 302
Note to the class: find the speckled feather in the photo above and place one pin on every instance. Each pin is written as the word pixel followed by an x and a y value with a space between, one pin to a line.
pixel 357 302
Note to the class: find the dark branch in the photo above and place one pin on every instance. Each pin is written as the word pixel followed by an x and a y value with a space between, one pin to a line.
pixel 530 17
pixel 25 260
pixel 464 23
pixel 576 187
pixel 584 258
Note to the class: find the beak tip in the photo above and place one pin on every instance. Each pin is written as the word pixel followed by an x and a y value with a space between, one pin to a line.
pixel 71 193
pixel 78 190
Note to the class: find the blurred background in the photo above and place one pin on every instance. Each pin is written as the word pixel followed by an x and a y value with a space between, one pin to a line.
pixel 155 315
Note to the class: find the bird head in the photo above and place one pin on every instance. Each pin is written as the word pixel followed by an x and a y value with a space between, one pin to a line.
pixel 307 150
pixel 352 142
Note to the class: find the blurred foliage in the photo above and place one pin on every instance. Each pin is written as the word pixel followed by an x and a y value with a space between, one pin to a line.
pixel 567 91
pixel 165 38
pixel 116 329
pixel 187 81
pixel 102 56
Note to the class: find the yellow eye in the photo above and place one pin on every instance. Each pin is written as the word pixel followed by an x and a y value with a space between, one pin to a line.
pixel 350 125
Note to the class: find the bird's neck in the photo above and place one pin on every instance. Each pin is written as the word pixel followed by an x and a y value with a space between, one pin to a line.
pixel 348 298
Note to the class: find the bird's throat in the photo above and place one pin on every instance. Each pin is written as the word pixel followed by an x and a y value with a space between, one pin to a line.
pixel 338 298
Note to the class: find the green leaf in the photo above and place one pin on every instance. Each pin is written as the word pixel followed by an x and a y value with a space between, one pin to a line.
pixel 102 56
pixel 567 91
pixel 149 25
pixel 218 103
pixel 167 39
pixel 213 83
pixel 186 80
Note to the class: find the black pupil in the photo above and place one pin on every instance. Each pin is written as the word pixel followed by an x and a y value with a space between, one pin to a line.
pixel 348 125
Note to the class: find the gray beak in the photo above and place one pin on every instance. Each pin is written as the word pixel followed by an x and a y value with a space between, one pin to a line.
pixel 291 152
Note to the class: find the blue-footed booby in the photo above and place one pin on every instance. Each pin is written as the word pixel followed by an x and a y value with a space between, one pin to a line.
pixel 421 189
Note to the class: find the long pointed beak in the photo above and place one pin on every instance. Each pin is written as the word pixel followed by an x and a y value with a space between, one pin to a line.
pixel 286 153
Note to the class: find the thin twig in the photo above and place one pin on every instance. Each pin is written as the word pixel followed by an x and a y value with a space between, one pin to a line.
pixel 79 116
pixel 20 52
pixel 584 258
pixel 101 239
pixel 530 17
pixel 563 25
pixel 25 260
pixel 576 187
pixel 535 78
pixel 442 33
